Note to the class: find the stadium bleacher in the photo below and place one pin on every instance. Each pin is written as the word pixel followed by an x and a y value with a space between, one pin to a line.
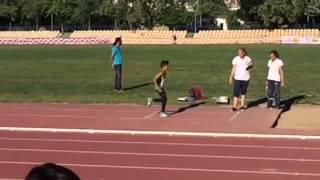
pixel 276 36
pixel 29 34
pixel 134 37
pixel 251 36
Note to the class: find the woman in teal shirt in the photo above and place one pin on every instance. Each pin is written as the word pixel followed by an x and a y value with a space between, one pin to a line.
pixel 117 64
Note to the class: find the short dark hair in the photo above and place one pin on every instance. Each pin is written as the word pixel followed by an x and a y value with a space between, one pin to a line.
pixel 117 40
pixel 50 171
pixel 275 53
pixel 164 63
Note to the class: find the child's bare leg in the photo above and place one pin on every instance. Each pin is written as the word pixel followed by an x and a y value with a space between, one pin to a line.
pixel 235 102
pixel 243 101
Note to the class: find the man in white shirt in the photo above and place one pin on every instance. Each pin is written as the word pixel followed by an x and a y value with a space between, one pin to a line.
pixel 240 76
pixel 275 79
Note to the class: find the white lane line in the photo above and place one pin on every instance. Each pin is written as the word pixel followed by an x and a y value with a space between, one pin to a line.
pixel 158 154
pixel 234 116
pixel 150 115
pixel 233 171
pixel 161 143
pixel 161 133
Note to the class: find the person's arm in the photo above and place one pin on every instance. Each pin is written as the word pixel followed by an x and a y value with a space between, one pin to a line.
pixel 113 53
pixel 156 86
pixel 250 65
pixel 282 76
pixel 231 78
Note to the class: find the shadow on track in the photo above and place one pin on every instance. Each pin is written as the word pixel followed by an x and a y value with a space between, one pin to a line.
pixel 286 106
pixel 138 86
pixel 257 102
pixel 183 109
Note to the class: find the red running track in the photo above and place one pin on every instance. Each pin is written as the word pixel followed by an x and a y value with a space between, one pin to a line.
pixel 115 157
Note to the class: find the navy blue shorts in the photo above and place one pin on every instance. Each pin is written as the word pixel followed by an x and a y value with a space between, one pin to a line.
pixel 240 88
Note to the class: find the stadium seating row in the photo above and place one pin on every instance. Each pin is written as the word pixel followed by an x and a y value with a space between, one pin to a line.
pixel 143 34
pixel 54 41
pixel 254 36
pixel 167 36
pixel 277 33
pixel 29 34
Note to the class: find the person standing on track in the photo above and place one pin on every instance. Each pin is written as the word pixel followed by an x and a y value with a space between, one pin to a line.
pixel 159 80
pixel 239 77
pixel 275 79
pixel 116 57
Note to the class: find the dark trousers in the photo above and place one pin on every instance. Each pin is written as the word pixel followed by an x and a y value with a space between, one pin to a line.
pixel 274 93
pixel 240 88
pixel 163 99
pixel 118 77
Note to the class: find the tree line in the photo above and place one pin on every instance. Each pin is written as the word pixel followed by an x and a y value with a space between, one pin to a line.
pixel 137 14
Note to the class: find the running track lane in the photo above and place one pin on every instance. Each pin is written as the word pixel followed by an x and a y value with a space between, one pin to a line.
pixel 122 157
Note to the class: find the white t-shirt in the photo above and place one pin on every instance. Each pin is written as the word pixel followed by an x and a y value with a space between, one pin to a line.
pixel 241 72
pixel 274 69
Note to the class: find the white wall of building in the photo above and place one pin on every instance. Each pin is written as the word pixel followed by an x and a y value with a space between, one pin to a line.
pixel 223 22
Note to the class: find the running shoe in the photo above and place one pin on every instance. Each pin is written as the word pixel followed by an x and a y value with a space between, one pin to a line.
pixel 149 102
pixel 164 115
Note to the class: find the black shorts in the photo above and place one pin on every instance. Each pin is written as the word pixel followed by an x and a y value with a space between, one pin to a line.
pixel 240 88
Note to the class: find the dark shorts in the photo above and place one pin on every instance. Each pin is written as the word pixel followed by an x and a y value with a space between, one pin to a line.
pixel 240 88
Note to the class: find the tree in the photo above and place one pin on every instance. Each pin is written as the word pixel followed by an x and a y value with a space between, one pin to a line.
pixel 213 8
pixel 208 8
pixel 62 10
pixel 120 12
pixel 34 9
pixel 8 10
pixel 249 10
pixel 85 10
pixel 312 9
pixel 171 13
pixel 275 13
pixel 138 13
pixel 232 20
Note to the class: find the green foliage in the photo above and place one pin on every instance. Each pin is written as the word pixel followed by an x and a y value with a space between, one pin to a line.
pixel 249 9
pixel 172 13
pixel 277 12
pixel 148 13
pixel 84 11
pixel 232 20
pixel 213 8
pixel 34 9
pixel 312 8
pixel 8 10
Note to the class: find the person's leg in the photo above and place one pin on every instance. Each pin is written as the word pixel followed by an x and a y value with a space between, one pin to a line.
pixel 164 98
pixel 120 77
pixel 236 94
pixel 151 100
pixel 277 94
pixel 244 88
pixel 116 78
pixel 270 93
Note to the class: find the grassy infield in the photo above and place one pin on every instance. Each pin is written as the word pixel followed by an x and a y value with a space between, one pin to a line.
pixel 83 74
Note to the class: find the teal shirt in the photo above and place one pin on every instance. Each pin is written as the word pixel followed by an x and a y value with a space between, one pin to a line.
pixel 117 55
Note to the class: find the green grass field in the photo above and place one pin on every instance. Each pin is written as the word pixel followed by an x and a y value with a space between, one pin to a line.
pixel 83 74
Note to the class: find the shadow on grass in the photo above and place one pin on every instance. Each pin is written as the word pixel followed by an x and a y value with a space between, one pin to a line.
pixel 286 106
pixel 183 109
pixel 257 102
pixel 138 86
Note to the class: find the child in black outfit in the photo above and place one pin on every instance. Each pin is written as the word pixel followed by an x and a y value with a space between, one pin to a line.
pixel 159 80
